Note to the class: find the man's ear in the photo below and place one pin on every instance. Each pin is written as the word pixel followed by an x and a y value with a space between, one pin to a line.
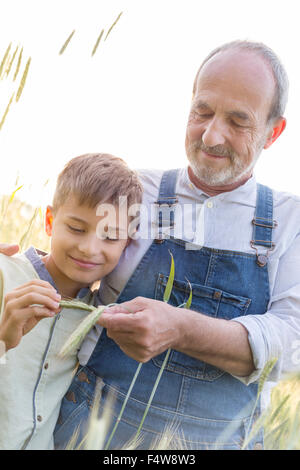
pixel 275 132
pixel 49 220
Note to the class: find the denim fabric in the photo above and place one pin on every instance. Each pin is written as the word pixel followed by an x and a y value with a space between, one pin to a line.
pixel 200 402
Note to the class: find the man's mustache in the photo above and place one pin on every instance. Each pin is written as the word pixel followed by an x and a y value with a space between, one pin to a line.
pixel 218 150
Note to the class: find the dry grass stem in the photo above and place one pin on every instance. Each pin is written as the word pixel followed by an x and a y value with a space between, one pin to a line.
pixel 18 64
pixel 11 61
pixel 114 23
pixel 97 42
pixel 66 42
pixel 6 111
pixel 23 80
pixel 3 62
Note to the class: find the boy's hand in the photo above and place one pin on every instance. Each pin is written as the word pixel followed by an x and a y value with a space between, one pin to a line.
pixel 8 250
pixel 21 313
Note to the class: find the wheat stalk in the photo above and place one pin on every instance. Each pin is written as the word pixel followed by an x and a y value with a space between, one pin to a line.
pixel 84 327
pixel 66 43
pixel 114 23
pixel 97 42
pixel 18 64
pixel 6 111
pixel 263 377
pixel 23 80
pixel 4 60
pixel 11 61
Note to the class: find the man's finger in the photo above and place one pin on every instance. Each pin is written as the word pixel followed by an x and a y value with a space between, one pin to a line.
pixel 132 306
pixel 118 321
pixel 8 250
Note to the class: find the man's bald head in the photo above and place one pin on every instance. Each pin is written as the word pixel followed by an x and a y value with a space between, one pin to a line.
pixel 280 97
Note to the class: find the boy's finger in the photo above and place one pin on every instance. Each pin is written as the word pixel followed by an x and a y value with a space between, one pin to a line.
pixel 37 312
pixel 8 250
pixel 44 289
pixel 36 282
pixel 32 298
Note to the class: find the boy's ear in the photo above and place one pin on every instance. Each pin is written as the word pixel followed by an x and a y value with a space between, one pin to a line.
pixel 49 220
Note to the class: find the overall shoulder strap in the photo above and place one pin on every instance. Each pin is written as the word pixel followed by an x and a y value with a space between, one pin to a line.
pixel 166 202
pixel 263 222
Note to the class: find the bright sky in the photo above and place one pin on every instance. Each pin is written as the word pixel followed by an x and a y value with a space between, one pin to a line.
pixel 132 97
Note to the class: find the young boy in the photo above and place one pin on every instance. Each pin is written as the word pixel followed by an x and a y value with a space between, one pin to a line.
pixel 89 232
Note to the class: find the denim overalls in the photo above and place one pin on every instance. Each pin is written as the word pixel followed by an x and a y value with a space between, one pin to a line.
pixel 196 400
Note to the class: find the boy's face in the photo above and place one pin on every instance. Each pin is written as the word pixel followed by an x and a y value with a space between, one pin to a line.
pixel 84 246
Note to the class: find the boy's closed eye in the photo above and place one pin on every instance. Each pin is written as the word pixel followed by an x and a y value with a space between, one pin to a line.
pixel 75 229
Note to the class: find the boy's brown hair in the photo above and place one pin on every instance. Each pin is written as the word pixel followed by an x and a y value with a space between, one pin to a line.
pixel 97 178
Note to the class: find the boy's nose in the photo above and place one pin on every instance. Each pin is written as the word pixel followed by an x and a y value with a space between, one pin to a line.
pixel 92 247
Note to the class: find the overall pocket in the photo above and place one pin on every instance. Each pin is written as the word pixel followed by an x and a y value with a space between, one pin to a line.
pixel 208 301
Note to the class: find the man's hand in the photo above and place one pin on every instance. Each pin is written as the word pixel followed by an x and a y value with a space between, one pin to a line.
pixel 143 328
pixel 24 307
pixel 8 250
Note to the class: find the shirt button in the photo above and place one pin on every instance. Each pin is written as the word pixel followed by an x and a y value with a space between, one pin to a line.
pixel 210 204
pixel 39 418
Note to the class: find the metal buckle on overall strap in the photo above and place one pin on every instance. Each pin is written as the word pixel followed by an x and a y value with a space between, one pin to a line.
pixel 167 216
pixel 262 259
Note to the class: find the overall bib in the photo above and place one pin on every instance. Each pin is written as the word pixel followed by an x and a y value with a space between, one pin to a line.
pixel 196 400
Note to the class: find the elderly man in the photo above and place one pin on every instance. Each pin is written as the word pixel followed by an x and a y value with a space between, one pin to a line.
pixel 242 261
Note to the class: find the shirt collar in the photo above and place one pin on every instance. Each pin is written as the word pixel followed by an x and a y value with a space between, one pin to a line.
pixel 34 256
pixel 244 194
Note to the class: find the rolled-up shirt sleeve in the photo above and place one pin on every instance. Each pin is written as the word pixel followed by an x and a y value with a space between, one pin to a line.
pixel 276 333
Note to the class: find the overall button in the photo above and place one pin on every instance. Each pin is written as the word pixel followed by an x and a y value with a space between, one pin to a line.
pixel 39 418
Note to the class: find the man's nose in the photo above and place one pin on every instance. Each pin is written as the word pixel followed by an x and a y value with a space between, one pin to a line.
pixel 214 133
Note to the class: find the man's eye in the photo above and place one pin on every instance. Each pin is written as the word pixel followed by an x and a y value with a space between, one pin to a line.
pixel 235 124
pixel 202 115
pixel 74 229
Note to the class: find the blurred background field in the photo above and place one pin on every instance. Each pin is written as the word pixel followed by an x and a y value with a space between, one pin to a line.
pixel 22 223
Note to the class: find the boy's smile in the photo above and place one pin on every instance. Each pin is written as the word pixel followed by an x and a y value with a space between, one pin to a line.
pixel 84 247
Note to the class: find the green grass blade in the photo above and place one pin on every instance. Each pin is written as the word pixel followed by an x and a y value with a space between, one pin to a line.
pixel 124 404
pixel 169 286
pixel 14 193
pixel 152 395
pixel 189 300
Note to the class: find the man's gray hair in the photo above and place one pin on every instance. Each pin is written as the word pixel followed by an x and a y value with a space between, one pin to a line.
pixel 279 73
